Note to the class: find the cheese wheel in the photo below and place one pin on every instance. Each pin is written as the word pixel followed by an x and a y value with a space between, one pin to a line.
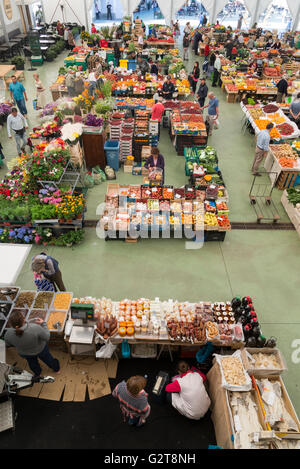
pixel 122 331
pixel 130 330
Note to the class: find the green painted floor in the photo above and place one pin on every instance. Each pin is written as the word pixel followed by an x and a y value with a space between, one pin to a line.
pixel 263 264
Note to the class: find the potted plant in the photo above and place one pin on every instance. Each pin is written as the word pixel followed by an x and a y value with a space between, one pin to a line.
pixel 18 62
pixel 50 55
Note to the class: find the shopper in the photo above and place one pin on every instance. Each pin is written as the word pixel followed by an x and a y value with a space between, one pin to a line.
pixel 206 51
pixel 143 65
pixel 78 84
pixel 156 160
pixel 194 76
pixel 133 400
pixel 240 20
pixel 294 113
pixel 262 148
pixel 187 29
pixel 202 92
pixel 197 39
pixel 109 14
pixel 241 40
pixel 31 341
pixel 71 40
pixel 41 92
pixel 217 70
pixel 228 47
pixel 70 83
pixel 204 22
pixel 157 112
pixel 282 88
pixel 168 88
pixel 186 44
pixel 187 392
pixel 48 266
pixel 66 34
pixel 16 126
pixel 276 44
pixel 18 94
pixel 93 83
pixel 213 112
pixel 153 68
pixel 77 115
pixel 117 54
pixel 93 29
pixel 60 28
pixel 42 283
pixel 250 44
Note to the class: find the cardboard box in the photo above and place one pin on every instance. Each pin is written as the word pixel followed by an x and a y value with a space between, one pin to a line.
pixel 256 372
pixel 288 405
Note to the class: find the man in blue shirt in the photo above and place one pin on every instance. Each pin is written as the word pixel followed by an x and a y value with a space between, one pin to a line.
pixel 213 111
pixel 262 148
pixel 18 94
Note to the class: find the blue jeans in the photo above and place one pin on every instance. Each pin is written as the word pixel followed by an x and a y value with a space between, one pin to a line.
pixel 21 141
pixel 46 357
pixel 22 106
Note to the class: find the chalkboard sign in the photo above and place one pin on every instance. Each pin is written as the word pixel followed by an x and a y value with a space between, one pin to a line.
pixel 34 43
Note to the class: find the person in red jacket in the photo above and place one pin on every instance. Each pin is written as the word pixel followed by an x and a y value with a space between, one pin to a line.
pixel 188 393
pixel 206 51
pixel 93 30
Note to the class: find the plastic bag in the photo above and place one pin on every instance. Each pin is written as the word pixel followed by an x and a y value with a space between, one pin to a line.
pixel 216 124
pixel 34 104
pixel 96 177
pixel 107 350
pixel 88 180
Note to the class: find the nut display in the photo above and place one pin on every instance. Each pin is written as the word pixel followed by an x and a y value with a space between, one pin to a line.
pixel 212 330
pixel 56 318
pixel 42 299
pixel 37 313
pixel 11 293
pixel 25 299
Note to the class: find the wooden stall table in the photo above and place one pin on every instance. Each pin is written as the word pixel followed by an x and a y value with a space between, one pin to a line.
pixel 4 72
pixel 158 44
pixel 282 177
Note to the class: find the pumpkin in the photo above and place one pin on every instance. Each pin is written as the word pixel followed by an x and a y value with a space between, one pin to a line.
pixel 130 330
pixel 122 331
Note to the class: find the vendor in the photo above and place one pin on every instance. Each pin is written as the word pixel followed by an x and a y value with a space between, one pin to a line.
pixel 143 65
pixel 157 112
pixel 156 160
pixel 153 69
pixel 294 113
pixel 250 43
pixel 187 392
pixel 282 87
pixel 168 88
pixel 276 44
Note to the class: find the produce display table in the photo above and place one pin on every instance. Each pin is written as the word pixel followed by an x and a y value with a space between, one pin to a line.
pixel 279 175
pixel 170 45
pixel 5 70
pixel 13 257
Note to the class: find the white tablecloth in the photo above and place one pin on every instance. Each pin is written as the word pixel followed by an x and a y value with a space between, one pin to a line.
pixel 12 259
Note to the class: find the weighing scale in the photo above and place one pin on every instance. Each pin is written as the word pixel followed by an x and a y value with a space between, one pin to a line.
pixel 84 321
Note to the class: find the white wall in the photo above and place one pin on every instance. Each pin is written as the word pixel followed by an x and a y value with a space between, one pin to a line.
pixel 15 22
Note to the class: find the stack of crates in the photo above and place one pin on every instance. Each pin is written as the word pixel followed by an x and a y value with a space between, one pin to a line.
pixel 115 129
pixel 126 138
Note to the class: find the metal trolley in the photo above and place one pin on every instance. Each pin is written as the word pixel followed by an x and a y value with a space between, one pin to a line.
pixel 260 196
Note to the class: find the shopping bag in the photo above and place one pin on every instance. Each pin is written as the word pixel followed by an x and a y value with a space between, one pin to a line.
pixel 34 104
pixel 216 124
pixel 107 350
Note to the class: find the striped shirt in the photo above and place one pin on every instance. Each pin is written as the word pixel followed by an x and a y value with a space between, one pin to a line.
pixel 132 406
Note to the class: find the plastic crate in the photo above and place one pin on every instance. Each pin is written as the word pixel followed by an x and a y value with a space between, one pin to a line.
pixel 131 65
pixel 112 149
pixel 124 63
pixel 144 351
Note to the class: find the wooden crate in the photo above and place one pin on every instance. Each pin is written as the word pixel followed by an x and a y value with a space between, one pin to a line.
pixel 286 179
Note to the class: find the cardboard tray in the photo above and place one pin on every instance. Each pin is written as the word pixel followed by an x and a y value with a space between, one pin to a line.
pixel 256 372
pixel 288 405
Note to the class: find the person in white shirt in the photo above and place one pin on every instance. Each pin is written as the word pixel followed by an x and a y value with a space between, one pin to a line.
pixel 241 39
pixel 93 82
pixel 16 126
pixel 141 41
pixel 217 70
pixel 187 392
pixel 187 28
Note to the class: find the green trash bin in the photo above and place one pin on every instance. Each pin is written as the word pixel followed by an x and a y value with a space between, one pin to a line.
pixel 111 58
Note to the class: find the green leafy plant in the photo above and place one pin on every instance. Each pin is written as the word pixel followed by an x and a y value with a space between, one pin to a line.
pixel 69 239
pixel 18 62
pixel 43 212
pixel 105 88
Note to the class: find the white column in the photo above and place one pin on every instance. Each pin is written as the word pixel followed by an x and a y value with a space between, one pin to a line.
pixel 254 19
pixel 3 25
pixel 296 20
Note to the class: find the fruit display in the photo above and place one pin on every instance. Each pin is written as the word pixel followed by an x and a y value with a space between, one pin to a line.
pixel 270 108
pixel 286 162
pixel 62 301
pixel 285 129
pixel 284 150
